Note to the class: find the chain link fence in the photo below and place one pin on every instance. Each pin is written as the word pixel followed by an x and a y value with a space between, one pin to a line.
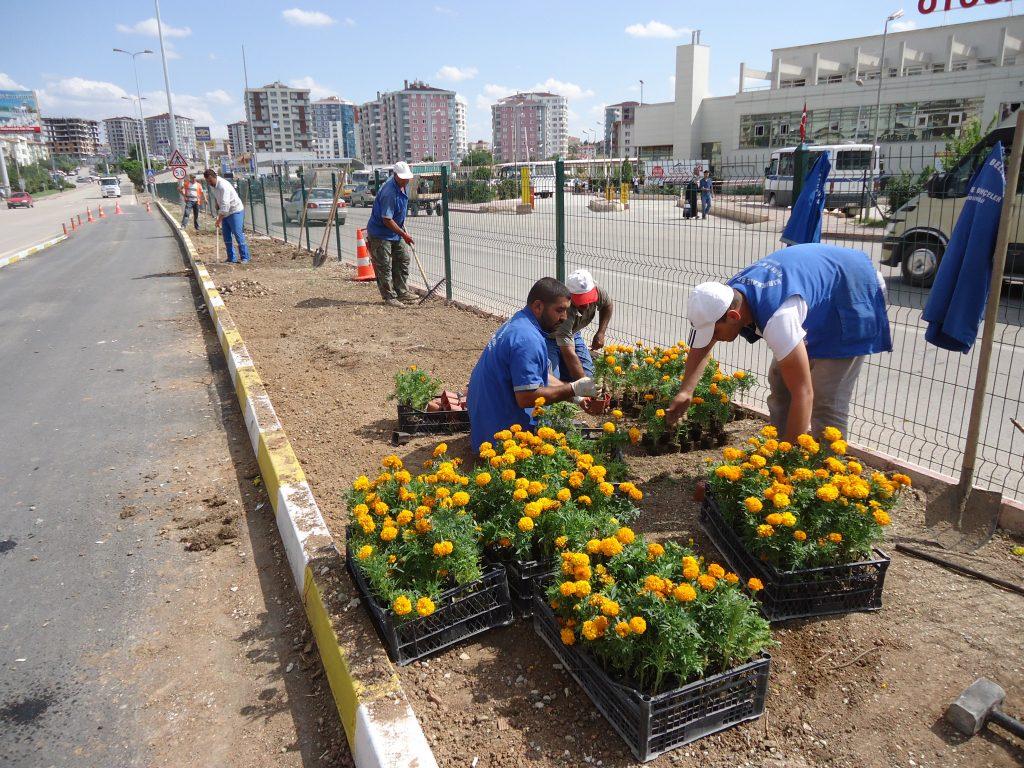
pixel 641 230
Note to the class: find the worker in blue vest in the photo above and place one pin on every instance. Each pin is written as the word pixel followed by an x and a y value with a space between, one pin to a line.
pixel 820 309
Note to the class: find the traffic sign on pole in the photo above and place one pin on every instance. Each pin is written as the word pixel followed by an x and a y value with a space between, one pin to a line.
pixel 177 160
pixel 178 172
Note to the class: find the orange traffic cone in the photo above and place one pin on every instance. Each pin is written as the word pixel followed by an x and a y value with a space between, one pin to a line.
pixel 73 227
pixel 364 267
pixel 147 207
pixel 117 207
pixel 100 209
pixel 65 226
pixel 88 213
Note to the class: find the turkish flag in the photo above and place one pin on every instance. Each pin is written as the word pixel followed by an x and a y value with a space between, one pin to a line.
pixel 803 123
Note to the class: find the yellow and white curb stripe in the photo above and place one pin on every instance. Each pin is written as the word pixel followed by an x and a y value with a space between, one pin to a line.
pixel 381 727
pixel 11 258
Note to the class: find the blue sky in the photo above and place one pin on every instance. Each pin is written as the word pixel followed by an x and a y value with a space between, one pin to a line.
pixel 593 53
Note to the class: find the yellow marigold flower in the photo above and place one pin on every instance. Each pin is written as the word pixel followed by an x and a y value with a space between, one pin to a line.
pixel 564 494
pixel 765 531
pixel 827 492
pixel 362 483
pixel 388 533
pixel 497 461
pixel 424 606
pixel 423 525
pixel 622 629
pixel 831 434
pixel 532 509
pixel 606 488
pixel 731 454
pixel 800 535
pixel 753 505
pixel 367 524
pixel 568 638
pixel 854 467
pixel 594 546
pixel 716 570
pixel 901 479
pixel 404 517
pixel 785 446
pixel 520 494
pixel 610 547
pixel 684 593
pixel 618 369
pixel 838 446
pixel 754 585
pixel 540 401
pixel 706 582
pixel 780 500
pixel 757 460
pixel 567 588
pixel 534 487
pixel 732 578
pixel 698 400
pixel 610 608
pixel 402 605
pixel 460 498
pixel 364 552
pixel 441 449
pixel 561 541
pixel 608 427
pixel 360 509
pixel 729 472
pixel 775 518
pixel 881 517
pixel 660 413
pixel 788 519
pixel 508 475
pixel 589 630
pixel 801 474
pixel 584 500
pixel 638 625
pixel 741 375
pixel 835 538
pixel 625 535
pixel 610 360
pixel 484 478
pixel 805 441
pixel 769 431
pixel 525 524
pixel 655 550
pixel 582 588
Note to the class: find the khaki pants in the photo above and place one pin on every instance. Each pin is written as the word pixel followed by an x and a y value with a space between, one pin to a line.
pixel 391 265
pixel 833 381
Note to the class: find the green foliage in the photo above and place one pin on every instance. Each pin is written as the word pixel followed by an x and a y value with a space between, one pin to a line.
pixel 36 177
pixel 415 388
pixel 471 190
pixel 507 189
pixel 482 173
pixel 134 171
pixel 962 143
pixel 478 157
pixel 905 187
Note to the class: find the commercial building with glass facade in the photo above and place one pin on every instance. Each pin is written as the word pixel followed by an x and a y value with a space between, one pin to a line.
pixel 933 82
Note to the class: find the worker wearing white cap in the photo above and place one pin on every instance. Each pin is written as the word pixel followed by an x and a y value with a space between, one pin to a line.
pixel 821 310
pixel 387 238
pixel 570 359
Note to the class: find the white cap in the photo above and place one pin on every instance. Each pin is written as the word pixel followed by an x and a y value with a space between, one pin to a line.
pixel 582 287
pixel 708 302
pixel 402 170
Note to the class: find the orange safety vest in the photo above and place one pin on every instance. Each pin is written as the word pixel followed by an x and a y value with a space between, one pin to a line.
pixel 198 190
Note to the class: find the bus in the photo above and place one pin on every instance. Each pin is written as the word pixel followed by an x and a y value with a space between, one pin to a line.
pixel 847 183
pixel 542 175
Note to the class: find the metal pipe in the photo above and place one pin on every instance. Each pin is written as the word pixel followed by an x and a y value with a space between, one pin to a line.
pixel 878 108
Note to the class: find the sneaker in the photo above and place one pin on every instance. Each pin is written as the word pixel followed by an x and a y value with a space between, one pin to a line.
pixel 409 298
pixel 246 261
pixel 393 303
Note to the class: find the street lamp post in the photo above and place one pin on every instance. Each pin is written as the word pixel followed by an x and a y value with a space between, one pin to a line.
pixel 878 108
pixel 142 120
pixel 641 93
pixel 167 79
pixel 137 140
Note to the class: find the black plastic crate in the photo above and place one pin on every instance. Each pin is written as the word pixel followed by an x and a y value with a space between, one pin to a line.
pixel 803 593
pixel 653 725
pixel 523 576
pixel 461 612
pixel 415 422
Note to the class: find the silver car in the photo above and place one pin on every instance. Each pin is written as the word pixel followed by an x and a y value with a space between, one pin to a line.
pixel 318 206
pixel 362 195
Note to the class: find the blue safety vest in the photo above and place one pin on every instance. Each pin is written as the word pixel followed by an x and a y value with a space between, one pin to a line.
pixel 846 314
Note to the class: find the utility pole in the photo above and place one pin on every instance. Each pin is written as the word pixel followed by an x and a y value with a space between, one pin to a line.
pixel 5 182
pixel 167 80
pixel 142 120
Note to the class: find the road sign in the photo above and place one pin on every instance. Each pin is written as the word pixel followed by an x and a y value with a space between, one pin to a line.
pixel 177 160
pixel 178 172
pixel 150 173
pixel 658 172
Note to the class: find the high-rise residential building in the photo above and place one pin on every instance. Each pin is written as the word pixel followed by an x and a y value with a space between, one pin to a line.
pixel 124 134
pixel 334 118
pixel 158 135
pixel 416 122
pixel 461 141
pixel 282 122
pixel 73 136
pixel 529 126
pixel 238 138
pixel 618 129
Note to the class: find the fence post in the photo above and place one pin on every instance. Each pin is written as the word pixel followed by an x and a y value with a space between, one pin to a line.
pixel 248 184
pixel 266 216
pixel 560 219
pixel 446 231
pixel 305 213
pixel 284 216
pixel 799 171
pixel 337 227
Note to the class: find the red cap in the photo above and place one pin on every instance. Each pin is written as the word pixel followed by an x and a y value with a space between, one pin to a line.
pixel 582 299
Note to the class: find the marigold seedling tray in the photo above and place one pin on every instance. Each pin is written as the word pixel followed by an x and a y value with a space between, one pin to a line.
pixel 653 725
pixel 461 612
pixel 415 422
pixel 523 578
pixel 803 593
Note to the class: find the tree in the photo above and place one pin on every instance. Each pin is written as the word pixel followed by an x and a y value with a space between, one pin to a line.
pixel 959 145
pixel 427 159
pixel 134 170
pixel 478 157
pixel 627 171
pixel 482 173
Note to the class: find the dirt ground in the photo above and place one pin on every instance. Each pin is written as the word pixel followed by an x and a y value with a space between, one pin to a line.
pixel 864 689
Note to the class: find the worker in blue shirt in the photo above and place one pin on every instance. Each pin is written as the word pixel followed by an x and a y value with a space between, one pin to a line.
pixel 821 310
pixel 388 239
pixel 513 371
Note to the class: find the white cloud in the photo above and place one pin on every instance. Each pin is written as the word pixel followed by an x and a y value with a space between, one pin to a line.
pixel 149 28
pixel 316 90
pixel 445 10
pixel 219 96
pixel 568 90
pixel 9 83
pixel 301 18
pixel 491 94
pixel 655 29
pixel 349 21
pixel 456 74
pixel 903 26
pixel 170 51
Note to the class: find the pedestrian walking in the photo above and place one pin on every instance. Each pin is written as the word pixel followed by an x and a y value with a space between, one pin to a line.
pixel 388 240
pixel 821 310
pixel 691 197
pixel 706 193
pixel 230 215
pixel 191 192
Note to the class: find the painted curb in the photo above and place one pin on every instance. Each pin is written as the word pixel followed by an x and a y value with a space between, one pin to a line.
pixel 381 727
pixel 5 260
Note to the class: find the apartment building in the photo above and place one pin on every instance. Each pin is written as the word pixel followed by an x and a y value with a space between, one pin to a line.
pixel 414 123
pixel 529 126
pixel 281 121
pixel 158 135
pixel 71 136
pixel 238 138
pixel 123 134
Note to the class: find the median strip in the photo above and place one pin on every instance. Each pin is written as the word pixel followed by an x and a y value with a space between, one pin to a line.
pixel 24 254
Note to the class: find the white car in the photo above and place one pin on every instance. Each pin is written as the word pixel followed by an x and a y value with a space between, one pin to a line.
pixel 110 186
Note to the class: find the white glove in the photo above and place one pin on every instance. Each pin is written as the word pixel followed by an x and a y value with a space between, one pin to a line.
pixel 584 387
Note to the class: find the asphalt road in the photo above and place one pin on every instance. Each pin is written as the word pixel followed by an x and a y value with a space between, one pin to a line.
pixel 106 376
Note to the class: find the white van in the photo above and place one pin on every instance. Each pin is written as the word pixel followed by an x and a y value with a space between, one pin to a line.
pixel 110 186
pixel 917 233
pixel 847 182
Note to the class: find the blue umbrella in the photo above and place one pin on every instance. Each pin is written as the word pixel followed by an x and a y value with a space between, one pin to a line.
pixel 960 292
pixel 804 225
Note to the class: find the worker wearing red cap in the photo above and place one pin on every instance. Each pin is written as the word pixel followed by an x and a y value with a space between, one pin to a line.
pixel 567 351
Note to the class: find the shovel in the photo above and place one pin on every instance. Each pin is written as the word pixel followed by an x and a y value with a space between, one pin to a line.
pixel 974 511
pixel 426 283
pixel 320 255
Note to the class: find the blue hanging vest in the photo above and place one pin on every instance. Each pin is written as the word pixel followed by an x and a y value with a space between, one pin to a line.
pixel 846 314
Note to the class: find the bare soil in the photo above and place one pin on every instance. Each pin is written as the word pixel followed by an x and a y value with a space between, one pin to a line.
pixel 865 689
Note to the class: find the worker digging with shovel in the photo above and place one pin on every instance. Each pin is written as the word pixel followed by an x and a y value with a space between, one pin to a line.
pixel 389 242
